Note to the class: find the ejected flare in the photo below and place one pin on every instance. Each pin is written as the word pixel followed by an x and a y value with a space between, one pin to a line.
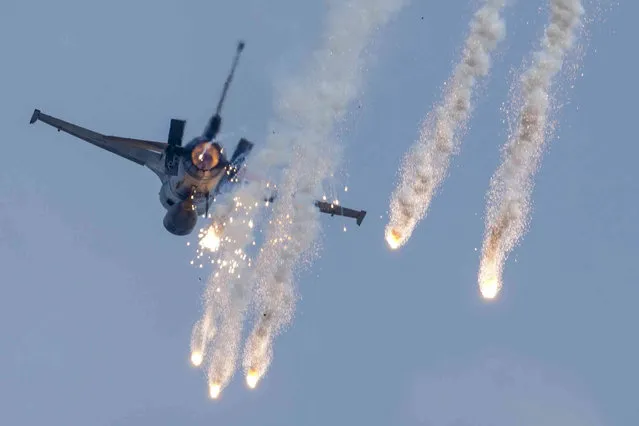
pixel 426 164
pixel 252 377
pixel 214 390
pixel 197 358
pixel 511 186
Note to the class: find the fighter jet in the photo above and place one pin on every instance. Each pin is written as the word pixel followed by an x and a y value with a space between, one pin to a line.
pixel 191 175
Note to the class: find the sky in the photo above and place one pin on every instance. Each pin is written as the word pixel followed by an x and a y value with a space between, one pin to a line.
pixel 98 300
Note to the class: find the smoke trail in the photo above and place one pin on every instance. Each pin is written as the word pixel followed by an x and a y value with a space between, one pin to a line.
pixel 317 103
pixel 203 331
pixel 227 344
pixel 511 186
pixel 229 225
pixel 426 163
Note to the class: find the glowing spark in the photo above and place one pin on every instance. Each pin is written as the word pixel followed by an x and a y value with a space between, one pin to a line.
pixel 211 241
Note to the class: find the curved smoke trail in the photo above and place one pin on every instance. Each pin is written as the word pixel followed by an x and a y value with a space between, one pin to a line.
pixel 319 102
pixel 426 163
pixel 511 186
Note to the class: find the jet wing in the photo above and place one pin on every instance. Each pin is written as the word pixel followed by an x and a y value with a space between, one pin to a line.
pixel 145 153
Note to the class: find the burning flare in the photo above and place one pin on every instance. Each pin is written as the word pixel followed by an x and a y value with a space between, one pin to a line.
pixel 489 283
pixel 196 358
pixel 426 164
pixel 214 390
pixel 508 209
pixel 393 238
pixel 252 378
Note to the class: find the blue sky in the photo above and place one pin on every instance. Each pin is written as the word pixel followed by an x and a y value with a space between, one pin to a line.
pixel 98 299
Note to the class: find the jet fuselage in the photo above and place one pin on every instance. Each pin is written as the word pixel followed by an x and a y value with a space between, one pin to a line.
pixel 191 175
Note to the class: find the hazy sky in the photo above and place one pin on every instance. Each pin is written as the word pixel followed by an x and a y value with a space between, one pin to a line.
pixel 99 300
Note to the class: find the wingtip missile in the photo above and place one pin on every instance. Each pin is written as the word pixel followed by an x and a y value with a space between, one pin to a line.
pixel 34 116
pixel 334 209
pixel 360 217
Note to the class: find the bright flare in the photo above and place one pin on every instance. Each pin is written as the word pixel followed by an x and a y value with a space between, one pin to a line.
pixel 508 209
pixel 489 282
pixel 196 358
pixel 252 378
pixel 490 288
pixel 211 240
pixel 393 238
pixel 214 390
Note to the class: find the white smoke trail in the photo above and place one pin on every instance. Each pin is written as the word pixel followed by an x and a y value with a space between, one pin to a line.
pixel 426 164
pixel 511 186
pixel 316 103
pixel 210 240
pixel 226 348
pixel 225 300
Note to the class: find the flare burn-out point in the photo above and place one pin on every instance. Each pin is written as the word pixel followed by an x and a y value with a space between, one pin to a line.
pixel 197 358
pixel 214 390
pixel 393 238
pixel 252 378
